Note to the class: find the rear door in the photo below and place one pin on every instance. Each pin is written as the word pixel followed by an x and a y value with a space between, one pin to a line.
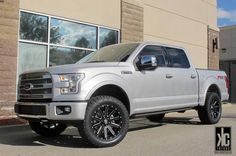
pixel 182 78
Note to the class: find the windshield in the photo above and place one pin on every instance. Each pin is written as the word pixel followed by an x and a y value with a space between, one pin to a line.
pixel 113 53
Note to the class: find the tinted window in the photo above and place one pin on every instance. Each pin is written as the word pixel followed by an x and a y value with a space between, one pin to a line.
pixel 33 27
pixel 156 51
pixel 73 34
pixel 177 58
pixel 107 37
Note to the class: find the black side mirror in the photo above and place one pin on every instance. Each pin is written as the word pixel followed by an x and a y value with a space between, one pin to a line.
pixel 147 62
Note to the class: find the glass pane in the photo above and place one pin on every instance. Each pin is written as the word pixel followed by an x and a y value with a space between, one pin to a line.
pixel 33 27
pixel 73 34
pixel 178 58
pixel 107 37
pixel 31 57
pixel 61 56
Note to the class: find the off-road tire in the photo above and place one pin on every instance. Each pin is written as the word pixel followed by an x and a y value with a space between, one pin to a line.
pixel 210 113
pixel 106 121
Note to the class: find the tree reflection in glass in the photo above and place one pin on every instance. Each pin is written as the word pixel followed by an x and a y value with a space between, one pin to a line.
pixel 61 56
pixel 33 27
pixel 107 37
pixel 73 34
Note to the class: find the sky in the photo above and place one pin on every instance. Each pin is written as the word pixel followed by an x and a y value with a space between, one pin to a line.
pixel 226 12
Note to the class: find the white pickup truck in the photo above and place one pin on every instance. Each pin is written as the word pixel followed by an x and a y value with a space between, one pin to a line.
pixel 101 92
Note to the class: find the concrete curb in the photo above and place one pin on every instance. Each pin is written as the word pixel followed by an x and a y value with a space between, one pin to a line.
pixel 11 120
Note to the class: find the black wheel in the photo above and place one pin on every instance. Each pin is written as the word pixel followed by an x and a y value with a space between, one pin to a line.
pixel 210 113
pixel 156 118
pixel 47 128
pixel 106 121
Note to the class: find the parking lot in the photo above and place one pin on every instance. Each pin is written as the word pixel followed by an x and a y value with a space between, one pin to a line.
pixel 179 134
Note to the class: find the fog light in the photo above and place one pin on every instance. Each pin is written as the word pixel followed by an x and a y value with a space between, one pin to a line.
pixel 64 90
pixel 63 110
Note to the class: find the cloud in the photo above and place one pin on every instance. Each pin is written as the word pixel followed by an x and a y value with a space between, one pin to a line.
pixel 71 32
pixel 225 14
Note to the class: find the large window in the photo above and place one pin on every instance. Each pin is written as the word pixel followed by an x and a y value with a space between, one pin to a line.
pixel 49 41
pixel 33 27
pixel 73 34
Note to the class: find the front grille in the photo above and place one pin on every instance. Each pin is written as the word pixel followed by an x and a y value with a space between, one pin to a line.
pixel 35 86
pixel 30 109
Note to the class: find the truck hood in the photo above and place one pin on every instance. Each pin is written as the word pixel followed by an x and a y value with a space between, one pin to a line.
pixel 75 68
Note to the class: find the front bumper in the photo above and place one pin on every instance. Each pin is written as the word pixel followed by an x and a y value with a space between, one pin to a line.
pixel 48 110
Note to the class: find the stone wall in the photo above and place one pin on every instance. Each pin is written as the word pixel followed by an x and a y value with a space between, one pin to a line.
pixel 9 17
pixel 131 21
pixel 213 51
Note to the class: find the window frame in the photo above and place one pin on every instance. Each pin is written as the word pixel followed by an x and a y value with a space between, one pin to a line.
pixel 48 44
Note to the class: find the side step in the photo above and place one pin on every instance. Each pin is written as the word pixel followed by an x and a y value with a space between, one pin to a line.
pixel 180 110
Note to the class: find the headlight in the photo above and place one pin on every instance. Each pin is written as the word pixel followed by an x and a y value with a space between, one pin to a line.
pixel 71 81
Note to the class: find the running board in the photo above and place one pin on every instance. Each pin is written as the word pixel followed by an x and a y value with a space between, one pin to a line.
pixel 160 112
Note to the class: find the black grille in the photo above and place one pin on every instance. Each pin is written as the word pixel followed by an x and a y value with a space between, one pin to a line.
pixel 35 86
pixel 30 109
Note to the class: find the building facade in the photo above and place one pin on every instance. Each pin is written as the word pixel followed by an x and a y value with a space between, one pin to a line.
pixel 228 57
pixel 37 34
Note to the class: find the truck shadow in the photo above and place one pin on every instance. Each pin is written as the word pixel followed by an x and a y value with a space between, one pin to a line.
pixel 23 136
pixel 181 121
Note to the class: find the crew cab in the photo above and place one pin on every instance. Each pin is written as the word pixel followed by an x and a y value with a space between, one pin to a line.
pixel 101 92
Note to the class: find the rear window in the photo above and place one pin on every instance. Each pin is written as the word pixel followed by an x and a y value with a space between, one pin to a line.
pixel 177 57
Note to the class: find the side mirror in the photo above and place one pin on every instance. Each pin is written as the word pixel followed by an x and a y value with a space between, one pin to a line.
pixel 147 62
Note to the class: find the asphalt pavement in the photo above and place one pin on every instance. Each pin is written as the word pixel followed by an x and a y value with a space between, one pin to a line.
pixel 179 134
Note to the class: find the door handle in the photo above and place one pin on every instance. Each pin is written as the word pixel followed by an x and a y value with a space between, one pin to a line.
pixel 169 76
pixel 193 76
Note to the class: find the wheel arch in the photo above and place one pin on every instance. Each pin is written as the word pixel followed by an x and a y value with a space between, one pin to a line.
pixel 212 88
pixel 111 89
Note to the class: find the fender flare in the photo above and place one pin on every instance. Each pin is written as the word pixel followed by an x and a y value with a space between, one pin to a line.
pixel 208 83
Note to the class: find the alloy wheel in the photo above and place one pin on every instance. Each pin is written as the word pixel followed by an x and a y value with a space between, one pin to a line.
pixel 106 122
pixel 215 108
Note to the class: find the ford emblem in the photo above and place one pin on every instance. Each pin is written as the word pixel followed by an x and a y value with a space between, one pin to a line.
pixel 28 86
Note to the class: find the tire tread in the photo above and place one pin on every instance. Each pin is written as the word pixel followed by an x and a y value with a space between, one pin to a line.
pixel 83 129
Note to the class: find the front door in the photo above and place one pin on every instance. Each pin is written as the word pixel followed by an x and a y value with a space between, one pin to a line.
pixel 151 87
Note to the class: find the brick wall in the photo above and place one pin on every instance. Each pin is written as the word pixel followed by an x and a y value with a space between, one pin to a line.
pixel 9 14
pixel 213 55
pixel 131 21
